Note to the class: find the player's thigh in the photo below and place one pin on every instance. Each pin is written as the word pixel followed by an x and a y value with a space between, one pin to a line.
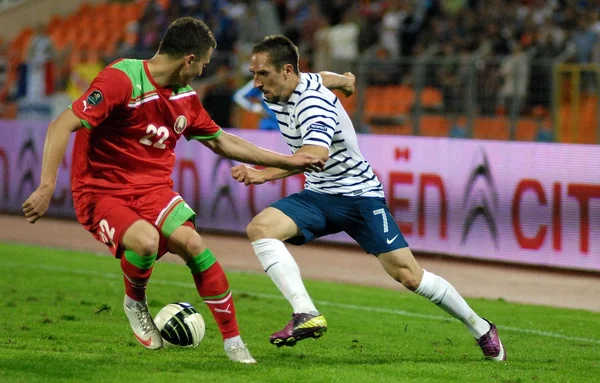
pixel 369 222
pixel 166 210
pixel 296 219
pixel 272 223
pixel 142 238
pixel 110 221
pixel 186 242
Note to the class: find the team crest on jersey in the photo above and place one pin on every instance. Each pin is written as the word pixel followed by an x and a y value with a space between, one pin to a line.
pixel 180 124
pixel 95 98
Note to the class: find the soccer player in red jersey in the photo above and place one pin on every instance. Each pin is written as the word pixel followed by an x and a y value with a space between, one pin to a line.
pixel 127 125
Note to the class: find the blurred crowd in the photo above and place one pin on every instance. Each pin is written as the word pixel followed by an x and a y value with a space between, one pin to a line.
pixel 510 43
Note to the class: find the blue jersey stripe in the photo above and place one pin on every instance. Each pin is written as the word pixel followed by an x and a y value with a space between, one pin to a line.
pixel 317 116
pixel 318 107
pixel 316 98
pixel 291 137
pixel 316 132
pixel 350 185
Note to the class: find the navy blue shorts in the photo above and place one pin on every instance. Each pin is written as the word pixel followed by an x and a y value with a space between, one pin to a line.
pixel 366 219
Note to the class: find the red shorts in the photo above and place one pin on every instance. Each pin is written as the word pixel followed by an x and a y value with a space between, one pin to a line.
pixel 108 217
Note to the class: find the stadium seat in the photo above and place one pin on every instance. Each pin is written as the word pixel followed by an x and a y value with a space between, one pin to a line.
pixel 491 128
pixel 432 99
pixel 349 103
pixel 526 129
pixel 435 126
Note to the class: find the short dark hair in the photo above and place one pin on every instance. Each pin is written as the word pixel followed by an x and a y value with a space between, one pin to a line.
pixel 281 51
pixel 185 36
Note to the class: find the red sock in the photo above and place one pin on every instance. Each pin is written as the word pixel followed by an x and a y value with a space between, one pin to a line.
pixel 136 278
pixel 213 287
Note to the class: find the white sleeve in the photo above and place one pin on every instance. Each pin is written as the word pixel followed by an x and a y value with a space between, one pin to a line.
pixel 317 118
pixel 312 77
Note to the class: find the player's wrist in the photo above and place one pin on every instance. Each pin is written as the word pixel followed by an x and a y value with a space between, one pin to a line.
pixel 47 186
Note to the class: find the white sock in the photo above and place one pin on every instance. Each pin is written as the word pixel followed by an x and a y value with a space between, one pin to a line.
pixel 236 340
pixel 443 294
pixel 279 264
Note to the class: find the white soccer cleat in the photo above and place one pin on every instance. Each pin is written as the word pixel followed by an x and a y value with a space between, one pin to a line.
pixel 239 353
pixel 143 326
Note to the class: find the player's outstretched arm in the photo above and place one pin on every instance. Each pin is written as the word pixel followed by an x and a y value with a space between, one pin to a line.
pixel 55 146
pixel 236 148
pixel 345 83
pixel 251 176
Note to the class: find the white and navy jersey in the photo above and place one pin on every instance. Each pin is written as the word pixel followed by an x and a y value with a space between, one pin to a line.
pixel 314 116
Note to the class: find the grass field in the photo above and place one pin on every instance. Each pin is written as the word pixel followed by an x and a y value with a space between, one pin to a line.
pixel 62 321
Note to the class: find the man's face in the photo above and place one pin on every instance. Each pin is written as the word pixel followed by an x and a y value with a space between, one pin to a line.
pixel 266 78
pixel 194 66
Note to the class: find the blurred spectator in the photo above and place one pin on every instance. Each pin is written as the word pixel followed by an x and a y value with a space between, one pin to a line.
pixel 40 79
pixel 390 27
pixel 4 91
pixel 584 39
pixel 514 71
pixel 342 40
pixel 308 30
pixel 250 99
pixel 82 74
pixel 217 96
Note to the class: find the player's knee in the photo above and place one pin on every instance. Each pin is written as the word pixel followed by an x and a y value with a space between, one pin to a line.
pixel 257 229
pixel 408 279
pixel 147 243
pixel 411 283
pixel 193 244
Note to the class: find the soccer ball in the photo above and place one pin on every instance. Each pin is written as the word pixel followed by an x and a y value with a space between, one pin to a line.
pixel 180 324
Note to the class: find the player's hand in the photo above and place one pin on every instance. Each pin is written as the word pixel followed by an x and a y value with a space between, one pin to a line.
pixel 248 175
pixel 349 88
pixel 305 161
pixel 37 204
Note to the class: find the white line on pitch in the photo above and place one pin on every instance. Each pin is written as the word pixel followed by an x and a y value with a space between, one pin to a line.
pixel 324 303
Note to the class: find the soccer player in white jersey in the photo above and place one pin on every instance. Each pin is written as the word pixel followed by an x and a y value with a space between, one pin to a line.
pixel 346 196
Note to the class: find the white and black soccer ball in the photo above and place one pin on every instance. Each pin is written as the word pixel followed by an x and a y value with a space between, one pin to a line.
pixel 180 324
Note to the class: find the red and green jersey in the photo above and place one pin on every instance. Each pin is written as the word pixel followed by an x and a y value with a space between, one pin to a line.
pixel 132 125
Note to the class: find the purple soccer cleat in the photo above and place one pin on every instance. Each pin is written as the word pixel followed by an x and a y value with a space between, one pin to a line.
pixel 491 345
pixel 301 326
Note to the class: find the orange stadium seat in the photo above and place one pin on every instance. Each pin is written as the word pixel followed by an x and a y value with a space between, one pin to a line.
pixel 526 129
pixel 134 11
pixel 54 24
pixel 432 98
pixel 435 126
pixel 387 102
pixel 395 130
pixel 349 103
pixel 247 120
pixel 84 9
pixel 491 128
pixel 588 121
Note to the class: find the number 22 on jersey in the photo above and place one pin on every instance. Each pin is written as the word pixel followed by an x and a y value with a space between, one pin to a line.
pixel 161 133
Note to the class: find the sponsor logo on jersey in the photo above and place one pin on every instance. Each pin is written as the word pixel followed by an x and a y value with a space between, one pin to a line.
pixel 180 124
pixel 95 98
pixel 318 127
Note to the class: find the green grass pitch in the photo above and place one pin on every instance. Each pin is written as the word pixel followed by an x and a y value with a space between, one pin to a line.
pixel 62 321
